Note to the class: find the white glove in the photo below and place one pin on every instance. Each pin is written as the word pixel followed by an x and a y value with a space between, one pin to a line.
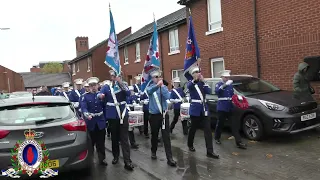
pixel 229 82
pixel 137 94
pixel 177 100
pixel 146 102
pixel 76 104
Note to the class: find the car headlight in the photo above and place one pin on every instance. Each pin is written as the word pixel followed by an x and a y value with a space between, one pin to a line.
pixel 272 106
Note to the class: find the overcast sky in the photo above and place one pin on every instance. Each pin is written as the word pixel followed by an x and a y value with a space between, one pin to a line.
pixel 43 30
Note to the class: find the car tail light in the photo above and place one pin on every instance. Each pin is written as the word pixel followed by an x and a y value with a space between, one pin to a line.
pixel 83 155
pixel 4 133
pixel 79 125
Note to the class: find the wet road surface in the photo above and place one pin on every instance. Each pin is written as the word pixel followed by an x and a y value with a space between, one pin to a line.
pixel 294 157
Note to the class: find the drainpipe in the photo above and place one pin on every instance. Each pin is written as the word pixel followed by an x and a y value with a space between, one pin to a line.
pixel 161 55
pixel 256 38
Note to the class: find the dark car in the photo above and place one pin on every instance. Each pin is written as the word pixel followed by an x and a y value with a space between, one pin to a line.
pixel 271 110
pixel 55 123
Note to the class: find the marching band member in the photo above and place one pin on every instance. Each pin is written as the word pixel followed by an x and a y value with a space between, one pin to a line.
pixel 224 90
pixel 131 100
pixel 107 82
pixel 177 98
pixel 137 90
pixel 58 91
pixel 199 111
pixel 65 93
pixel 159 119
pixel 144 100
pixel 93 110
pixel 86 87
pixel 75 94
pixel 116 112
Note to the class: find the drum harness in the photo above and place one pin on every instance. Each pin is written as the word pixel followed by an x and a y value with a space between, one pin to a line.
pixel 159 106
pixel 117 104
pixel 202 101
pixel 66 96
pixel 177 93
pixel 76 104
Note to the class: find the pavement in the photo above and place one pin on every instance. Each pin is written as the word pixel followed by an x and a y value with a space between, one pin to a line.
pixel 294 157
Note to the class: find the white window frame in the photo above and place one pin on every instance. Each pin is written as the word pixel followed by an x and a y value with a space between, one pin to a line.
pixel 88 64
pixel 78 65
pixel 174 49
pixel 138 58
pixel 74 69
pixel 215 30
pixel 125 54
pixel 176 72
pixel 213 60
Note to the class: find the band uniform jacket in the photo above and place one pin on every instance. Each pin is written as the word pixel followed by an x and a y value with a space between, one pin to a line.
pixel 92 105
pixel 227 92
pixel 174 96
pixel 196 108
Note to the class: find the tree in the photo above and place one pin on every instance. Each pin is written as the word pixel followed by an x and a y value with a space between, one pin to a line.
pixel 52 67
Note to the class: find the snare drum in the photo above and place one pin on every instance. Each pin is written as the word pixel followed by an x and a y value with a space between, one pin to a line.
pixel 135 118
pixel 184 111
pixel 137 107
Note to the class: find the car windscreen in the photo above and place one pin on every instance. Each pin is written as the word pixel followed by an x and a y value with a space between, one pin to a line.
pixel 31 114
pixel 252 86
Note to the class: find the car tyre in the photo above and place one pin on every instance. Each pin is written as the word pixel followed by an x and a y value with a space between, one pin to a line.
pixel 252 127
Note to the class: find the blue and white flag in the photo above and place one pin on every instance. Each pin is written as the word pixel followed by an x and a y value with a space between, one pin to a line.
pixel 192 51
pixel 112 55
pixel 152 61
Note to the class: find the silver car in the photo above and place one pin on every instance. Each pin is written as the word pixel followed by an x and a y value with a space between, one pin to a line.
pixel 55 122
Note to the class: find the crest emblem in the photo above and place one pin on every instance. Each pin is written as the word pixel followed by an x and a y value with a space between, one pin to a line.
pixel 29 157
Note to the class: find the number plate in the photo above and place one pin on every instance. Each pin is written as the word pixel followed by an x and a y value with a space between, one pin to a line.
pixel 52 164
pixel 308 116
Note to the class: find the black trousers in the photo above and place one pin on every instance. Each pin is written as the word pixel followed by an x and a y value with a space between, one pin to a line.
pixel 175 120
pixel 132 139
pixel 98 139
pixel 235 125
pixel 198 122
pixel 119 132
pixel 156 125
pixel 146 122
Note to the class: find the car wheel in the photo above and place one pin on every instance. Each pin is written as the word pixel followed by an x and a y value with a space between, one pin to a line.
pixel 252 127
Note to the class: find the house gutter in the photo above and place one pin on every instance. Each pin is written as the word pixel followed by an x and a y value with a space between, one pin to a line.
pixel 256 38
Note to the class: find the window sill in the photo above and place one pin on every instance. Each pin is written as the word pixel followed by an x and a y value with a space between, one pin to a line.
pixel 214 31
pixel 126 63
pixel 174 52
pixel 88 70
pixel 137 61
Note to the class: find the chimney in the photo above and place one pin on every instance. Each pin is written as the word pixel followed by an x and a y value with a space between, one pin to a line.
pixel 123 33
pixel 82 45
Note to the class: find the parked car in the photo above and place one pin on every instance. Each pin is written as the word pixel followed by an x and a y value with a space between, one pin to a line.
pixel 55 122
pixel 20 94
pixel 271 110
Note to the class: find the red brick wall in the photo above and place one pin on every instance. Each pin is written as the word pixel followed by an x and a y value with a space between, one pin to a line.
pixel 10 81
pixel 170 62
pixel 288 31
pixel 35 69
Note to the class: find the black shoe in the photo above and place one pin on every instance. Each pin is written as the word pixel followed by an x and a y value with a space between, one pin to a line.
pixel 128 166
pixel 146 136
pixel 115 160
pixel 192 149
pixel 104 163
pixel 185 133
pixel 159 140
pixel 153 156
pixel 135 146
pixel 141 132
pixel 213 155
pixel 172 163
pixel 241 145
pixel 171 130
pixel 218 141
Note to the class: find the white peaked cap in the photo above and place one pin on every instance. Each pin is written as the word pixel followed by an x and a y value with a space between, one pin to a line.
pixel 137 77
pixel 58 88
pixel 225 73
pixel 66 84
pixel 78 81
pixel 85 84
pixel 131 88
pixel 176 80
pixel 106 82
pixel 193 69
pixel 93 80
pixel 112 73
pixel 155 73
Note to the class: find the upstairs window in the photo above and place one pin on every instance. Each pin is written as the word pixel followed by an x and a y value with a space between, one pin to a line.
pixel 214 16
pixel 174 40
